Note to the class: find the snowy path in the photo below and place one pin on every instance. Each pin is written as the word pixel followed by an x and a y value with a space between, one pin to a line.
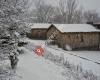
pixel 32 67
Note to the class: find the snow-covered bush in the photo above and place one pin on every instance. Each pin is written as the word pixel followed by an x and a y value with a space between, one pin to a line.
pixel 5 72
pixel 30 46
pixel 20 50
pixel 59 60
pixel 20 44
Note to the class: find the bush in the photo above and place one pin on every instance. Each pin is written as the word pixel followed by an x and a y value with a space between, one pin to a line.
pixel 20 44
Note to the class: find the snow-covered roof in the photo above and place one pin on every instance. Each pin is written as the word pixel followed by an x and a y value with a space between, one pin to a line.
pixel 40 25
pixel 76 28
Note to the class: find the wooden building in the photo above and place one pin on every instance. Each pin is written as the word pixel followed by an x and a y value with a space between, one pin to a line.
pixel 75 36
pixel 38 31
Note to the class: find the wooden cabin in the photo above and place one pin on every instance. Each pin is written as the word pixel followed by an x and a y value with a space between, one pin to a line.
pixel 75 36
pixel 38 31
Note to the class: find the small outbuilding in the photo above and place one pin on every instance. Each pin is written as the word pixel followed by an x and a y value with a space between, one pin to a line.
pixel 75 36
pixel 39 31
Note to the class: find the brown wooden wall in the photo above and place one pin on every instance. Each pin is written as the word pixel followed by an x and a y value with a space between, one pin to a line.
pixel 38 34
pixel 80 40
pixel 53 31
pixel 76 40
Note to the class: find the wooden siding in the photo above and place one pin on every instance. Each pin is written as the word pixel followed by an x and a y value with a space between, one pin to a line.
pixel 80 40
pixel 53 31
pixel 76 40
pixel 38 34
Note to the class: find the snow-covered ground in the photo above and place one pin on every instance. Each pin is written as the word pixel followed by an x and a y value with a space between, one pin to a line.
pixel 33 67
pixel 87 59
pixel 84 63
pixel 91 55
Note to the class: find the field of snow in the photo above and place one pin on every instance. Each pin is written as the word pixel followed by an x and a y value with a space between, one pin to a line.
pixel 85 64
pixel 87 59
pixel 92 55
pixel 33 67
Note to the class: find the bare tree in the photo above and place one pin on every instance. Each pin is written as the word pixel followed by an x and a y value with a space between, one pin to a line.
pixel 91 16
pixel 78 16
pixel 68 10
pixel 43 11
pixel 63 10
pixel 71 8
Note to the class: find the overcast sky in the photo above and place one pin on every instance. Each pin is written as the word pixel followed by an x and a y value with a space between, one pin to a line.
pixel 87 4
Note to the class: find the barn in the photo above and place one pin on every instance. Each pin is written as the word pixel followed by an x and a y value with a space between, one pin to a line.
pixel 39 31
pixel 75 36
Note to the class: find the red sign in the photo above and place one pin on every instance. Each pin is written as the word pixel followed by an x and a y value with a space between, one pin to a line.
pixel 39 51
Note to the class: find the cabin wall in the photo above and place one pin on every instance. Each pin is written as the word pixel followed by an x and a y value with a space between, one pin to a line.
pixel 50 31
pixel 53 33
pixel 99 41
pixel 80 40
pixel 38 33
pixel 76 40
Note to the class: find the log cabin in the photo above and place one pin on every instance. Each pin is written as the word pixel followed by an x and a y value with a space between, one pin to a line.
pixel 75 36
pixel 39 31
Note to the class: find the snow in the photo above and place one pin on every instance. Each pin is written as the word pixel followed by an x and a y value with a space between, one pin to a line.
pixel 92 55
pixel 40 25
pixel 67 27
pixel 86 59
pixel 76 28
pixel 6 73
pixel 33 67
